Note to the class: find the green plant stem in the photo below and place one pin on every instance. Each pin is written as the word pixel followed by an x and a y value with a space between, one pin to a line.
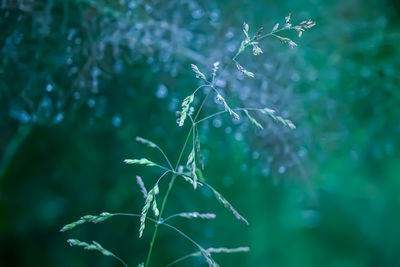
pixel 171 184
pixel 162 223
pixel 225 111
pixel 272 33
pixel 183 258
pixel 120 260
pixel 165 156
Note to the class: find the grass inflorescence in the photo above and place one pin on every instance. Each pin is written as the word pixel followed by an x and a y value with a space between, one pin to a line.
pixel 192 171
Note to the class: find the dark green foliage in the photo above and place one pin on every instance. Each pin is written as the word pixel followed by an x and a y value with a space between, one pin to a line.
pixel 79 80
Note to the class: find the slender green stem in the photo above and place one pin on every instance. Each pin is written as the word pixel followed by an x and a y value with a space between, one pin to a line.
pixel 171 183
pixel 181 154
pixel 183 150
pixel 120 260
pixel 165 156
pixel 254 39
pixel 211 116
pixel 172 216
pixel 161 223
pixel 161 167
pixel 201 86
pixel 194 153
pixel 184 235
pixel 183 258
pixel 201 105
pixel 273 32
pixel 163 175
pixel 225 111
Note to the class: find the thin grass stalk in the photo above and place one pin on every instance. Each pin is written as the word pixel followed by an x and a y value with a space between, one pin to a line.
pixel 171 183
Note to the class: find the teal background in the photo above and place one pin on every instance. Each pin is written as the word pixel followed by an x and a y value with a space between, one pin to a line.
pixel 80 79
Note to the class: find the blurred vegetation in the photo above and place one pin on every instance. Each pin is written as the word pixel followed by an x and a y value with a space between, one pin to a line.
pixel 80 79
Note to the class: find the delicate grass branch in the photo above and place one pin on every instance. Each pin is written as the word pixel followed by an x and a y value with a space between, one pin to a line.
pixel 95 246
pixel 190 171
pixel 192 215
pixel 210 250
pixel 151 144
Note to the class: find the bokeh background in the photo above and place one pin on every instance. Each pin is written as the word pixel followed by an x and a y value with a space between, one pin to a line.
pixel 80 79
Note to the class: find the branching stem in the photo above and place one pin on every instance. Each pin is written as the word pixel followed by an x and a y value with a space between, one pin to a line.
pixel 192 131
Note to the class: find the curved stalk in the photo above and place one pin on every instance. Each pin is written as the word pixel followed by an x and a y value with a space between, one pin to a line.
pixel 194 122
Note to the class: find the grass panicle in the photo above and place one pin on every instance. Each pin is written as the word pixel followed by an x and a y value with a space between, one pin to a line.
pixel 95 246
pixel 146 142
pixel 185 109
pixel 253 120
pixel 198 73
pixel 145 162
pixel 192 215
pixel 278 118
pixel 215 70
pixel 244 71
pixel 87 219
pixel 226 204
pixel 210 251
pixel 190 180
pixel 143 189
pixel 149 202
pixel 222 100
pixel 190 172
pixel 141 161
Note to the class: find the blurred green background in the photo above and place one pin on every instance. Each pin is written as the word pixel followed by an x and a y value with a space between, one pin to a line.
pixel 80 79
